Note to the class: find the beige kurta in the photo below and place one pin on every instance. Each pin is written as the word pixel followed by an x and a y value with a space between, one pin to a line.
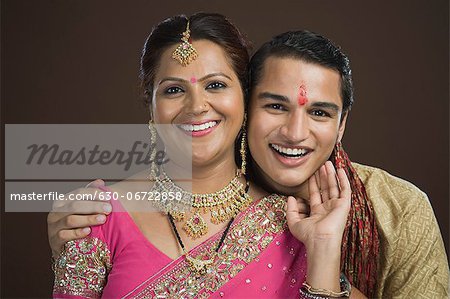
pixel 413 262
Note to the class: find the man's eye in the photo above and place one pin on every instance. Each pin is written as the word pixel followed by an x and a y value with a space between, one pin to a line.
pixel 320 113
pixel 275 106
pixel 173 90
pixel 215 85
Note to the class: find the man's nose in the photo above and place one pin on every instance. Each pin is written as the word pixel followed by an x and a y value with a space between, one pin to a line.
pixel 296 127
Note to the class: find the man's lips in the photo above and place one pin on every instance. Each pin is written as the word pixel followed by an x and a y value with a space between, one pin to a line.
pixel 290 151
pixel 290 156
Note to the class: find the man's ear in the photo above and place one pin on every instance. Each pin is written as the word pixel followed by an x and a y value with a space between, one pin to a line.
pixel 342 126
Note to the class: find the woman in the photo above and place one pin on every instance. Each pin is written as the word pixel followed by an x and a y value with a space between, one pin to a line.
pixel 194 71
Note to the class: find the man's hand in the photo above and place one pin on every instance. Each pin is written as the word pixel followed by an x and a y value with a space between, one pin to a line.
pixel 70 220
pixel 321 229
pixel 328 207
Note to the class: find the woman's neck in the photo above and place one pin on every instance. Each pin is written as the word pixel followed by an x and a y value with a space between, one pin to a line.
pixel 202 179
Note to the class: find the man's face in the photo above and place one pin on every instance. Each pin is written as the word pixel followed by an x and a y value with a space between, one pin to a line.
pixel 294 121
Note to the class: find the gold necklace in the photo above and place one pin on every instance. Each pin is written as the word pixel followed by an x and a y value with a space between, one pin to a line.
pixel 223 204
pixel 196 265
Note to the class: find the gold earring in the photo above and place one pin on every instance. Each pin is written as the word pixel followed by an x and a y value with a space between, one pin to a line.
pixel 243 149
pixel 153 167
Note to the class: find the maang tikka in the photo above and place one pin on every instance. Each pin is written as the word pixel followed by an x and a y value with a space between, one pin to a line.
pixel 185 53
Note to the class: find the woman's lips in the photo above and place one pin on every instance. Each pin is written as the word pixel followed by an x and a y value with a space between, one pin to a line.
pixel 199 129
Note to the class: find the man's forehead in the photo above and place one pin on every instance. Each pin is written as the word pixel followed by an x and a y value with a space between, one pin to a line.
pixel 287 75
pixel 291 66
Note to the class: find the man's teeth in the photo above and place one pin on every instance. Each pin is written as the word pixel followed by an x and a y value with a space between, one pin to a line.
pixel 195 128
pixel 292 152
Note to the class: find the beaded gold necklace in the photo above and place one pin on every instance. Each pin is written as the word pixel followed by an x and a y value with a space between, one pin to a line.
pixel 196 265
pixel 222 205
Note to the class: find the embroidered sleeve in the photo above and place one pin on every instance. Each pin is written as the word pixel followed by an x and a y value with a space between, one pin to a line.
pixel 82 268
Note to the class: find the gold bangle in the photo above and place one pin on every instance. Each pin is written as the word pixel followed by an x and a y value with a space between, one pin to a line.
pixel 324 292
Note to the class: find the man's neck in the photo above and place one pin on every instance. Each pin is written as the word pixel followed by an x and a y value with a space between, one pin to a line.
pixel 270 185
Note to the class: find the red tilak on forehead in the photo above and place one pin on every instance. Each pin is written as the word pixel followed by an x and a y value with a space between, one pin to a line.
pixel 302 98
pixel 193 80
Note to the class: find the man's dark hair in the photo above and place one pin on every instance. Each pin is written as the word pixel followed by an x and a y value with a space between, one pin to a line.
pixel 309 47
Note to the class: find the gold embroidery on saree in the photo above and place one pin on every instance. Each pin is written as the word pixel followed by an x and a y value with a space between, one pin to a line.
pixel 248 237
pixel 82 268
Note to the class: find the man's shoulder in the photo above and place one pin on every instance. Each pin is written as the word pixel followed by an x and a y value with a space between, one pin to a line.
pixel 388 192
pixel 382 181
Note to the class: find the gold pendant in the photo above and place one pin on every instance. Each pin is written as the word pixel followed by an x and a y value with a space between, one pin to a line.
pixel 185 53
pixel 178 216
pixel 199 267
pixel 196 226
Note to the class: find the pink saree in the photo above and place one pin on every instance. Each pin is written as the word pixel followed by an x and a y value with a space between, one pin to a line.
pixel 259 258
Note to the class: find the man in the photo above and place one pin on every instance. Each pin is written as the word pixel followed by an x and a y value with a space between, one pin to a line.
pixel 301 94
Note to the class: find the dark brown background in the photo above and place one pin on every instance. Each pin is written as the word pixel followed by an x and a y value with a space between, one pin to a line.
pixel 76 61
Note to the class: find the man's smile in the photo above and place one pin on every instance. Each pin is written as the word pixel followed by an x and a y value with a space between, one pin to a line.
pixel 290 152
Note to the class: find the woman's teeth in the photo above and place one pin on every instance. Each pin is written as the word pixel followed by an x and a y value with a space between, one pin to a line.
pixel 289 152
pixel 196 128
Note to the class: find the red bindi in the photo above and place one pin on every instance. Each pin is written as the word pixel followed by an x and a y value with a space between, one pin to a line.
pixel 193 80
pixel 302 98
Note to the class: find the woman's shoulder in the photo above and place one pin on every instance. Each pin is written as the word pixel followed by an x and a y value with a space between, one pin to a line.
pixel 133 192
pixel 119 228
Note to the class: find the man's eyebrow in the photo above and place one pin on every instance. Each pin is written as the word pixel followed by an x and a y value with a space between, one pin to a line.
pixel 273 96
pixel 326 105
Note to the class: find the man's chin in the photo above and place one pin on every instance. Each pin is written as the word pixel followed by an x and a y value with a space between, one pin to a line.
pixel 287 185
pixel 290 178
pixel 279 180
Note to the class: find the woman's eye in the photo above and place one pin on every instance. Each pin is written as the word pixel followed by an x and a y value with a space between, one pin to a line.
pixel 173 90
pixel 215 85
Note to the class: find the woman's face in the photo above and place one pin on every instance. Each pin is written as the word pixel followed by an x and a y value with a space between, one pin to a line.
pixel 202 103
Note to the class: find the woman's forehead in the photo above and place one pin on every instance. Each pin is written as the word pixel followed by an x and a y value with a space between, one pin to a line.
pixel 212 58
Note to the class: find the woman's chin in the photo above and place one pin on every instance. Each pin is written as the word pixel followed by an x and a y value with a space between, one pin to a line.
pixel 201 160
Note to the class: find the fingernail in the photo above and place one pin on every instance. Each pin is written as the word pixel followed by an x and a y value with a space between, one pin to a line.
pixel 107 208
pixel 86 230
pixel 101 218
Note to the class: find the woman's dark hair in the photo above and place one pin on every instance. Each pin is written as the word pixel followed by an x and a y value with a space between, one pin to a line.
pixel 309 47
pixel 204 26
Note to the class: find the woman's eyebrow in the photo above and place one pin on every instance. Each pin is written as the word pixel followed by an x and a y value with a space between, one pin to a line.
pixel 176 79
pixel 172 79
pixel 215 75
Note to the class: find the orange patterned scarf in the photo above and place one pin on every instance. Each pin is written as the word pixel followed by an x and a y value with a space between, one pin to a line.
pixel 360 244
